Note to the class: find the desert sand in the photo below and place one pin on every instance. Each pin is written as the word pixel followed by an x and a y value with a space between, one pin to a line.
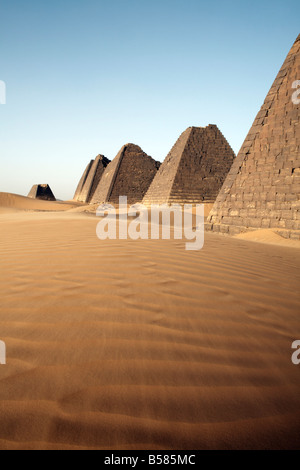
pixel 15 203
pixel 143 345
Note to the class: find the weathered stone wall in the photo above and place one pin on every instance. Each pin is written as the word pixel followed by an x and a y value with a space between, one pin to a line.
pixel 93 178
pixel 129 174
pixel 99 171
pixel 42 191
pixel 136 172
pixel 262 189
pixel 194 170
pixel 204 165
pixel 103 191
pixel 82 181
pixel 90 179
pixel 161 187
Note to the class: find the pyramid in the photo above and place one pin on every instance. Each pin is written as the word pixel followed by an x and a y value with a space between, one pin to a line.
pixel 129 174
pixel 262 189
pixel 90 179
pixel 194 170
pixel 82 181
pixel 42 191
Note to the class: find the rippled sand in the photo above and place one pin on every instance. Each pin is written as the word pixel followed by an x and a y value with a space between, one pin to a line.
pixel 128 345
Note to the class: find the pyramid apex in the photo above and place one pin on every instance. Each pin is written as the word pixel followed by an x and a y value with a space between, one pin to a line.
pixel 133 147
pixel 199 127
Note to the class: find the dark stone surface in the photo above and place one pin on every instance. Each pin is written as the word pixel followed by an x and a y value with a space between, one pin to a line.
pixel 82 181
pixel 194 170
pixel 129 174
pixel 90 179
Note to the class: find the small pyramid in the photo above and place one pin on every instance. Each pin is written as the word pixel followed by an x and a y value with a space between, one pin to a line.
pixel 90 179
pixel 262 189
pixel 129 174
pixel 42 191
pixel 194 170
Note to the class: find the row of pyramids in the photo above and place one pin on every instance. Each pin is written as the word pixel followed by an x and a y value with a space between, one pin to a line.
pixel 193 172
pixel 260 188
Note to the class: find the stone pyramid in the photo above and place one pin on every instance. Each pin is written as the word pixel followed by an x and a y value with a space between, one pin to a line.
pixel 90 179
pixel 129 174
pixel 262 189
pixel 42 191
pixel 194 170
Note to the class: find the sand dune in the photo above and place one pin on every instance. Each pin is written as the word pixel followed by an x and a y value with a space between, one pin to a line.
pixel 128 345
pixel 14 202
pixel 269 236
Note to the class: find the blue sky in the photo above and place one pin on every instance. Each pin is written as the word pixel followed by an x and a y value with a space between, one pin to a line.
pixel 86 77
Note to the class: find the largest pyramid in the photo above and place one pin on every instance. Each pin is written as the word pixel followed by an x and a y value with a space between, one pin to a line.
pixel 262 189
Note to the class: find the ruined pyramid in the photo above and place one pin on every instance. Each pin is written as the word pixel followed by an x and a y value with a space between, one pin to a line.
pixel 129 174
pixel 42 191
pixel 90 179
pixel 262 190
pixel 194 170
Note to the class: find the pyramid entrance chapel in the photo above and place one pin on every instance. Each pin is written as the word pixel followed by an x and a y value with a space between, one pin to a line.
pixel 262 189
pixel 194 170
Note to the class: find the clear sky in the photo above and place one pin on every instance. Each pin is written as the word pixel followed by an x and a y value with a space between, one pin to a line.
pixel 85 77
